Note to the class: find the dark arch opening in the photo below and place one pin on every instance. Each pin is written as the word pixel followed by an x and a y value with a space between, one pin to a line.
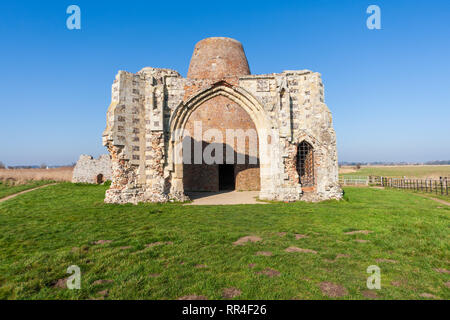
pixel 305 164
pixel 99 179
pixel 238 167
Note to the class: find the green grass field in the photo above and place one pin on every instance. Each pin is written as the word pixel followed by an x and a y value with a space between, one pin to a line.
pixel 7 189
pixel 432 195
pixel 401 171
pixel 45 231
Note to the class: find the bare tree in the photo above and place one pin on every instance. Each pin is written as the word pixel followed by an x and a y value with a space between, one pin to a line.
pixel 43 166
pixel 2 165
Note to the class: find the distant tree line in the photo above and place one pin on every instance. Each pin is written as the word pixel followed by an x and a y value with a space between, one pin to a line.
pixel 380 163
pixel 438 162
pixel 23 167
pixel 41 166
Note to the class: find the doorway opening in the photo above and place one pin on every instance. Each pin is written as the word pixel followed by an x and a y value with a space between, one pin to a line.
pixel 99 179
pixel 226 177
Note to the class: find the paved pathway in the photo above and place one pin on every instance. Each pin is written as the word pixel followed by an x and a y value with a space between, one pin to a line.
pixel 25 191
pixel 223 198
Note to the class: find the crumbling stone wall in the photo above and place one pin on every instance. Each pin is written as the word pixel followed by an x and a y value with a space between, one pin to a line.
pixel 294 100
pixel 150 107
pixel 90 170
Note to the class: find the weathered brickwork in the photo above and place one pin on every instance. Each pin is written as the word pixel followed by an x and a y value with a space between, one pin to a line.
pixel 222 114
pixel 90 170
pixel 152 110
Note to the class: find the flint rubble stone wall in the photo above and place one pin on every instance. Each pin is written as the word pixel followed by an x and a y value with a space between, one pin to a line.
pixel 87 169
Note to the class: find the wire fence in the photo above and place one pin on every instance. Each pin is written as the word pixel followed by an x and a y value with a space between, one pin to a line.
pixel 359 180
pixel 354 181
pixel 438 186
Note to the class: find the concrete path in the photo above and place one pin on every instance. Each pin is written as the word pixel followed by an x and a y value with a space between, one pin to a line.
pixel 223 198
pixel 25 191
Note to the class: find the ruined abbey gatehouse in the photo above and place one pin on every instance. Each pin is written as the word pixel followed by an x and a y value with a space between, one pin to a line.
pixel 220 128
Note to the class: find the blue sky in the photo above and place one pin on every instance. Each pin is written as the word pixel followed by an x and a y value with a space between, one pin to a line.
pixel 388 90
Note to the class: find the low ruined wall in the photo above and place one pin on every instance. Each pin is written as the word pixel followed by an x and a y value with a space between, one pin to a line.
pixel 90 170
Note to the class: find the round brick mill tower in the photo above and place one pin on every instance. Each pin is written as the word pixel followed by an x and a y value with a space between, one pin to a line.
pixel 218 58
pixel 215 60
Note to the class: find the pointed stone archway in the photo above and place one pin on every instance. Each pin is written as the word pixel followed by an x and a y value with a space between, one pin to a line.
pixel 256 113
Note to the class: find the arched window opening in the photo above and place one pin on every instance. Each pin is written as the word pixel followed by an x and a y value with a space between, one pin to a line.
pixel 305 164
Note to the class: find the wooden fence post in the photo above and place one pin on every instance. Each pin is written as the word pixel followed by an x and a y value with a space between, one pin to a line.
pixel 446 185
